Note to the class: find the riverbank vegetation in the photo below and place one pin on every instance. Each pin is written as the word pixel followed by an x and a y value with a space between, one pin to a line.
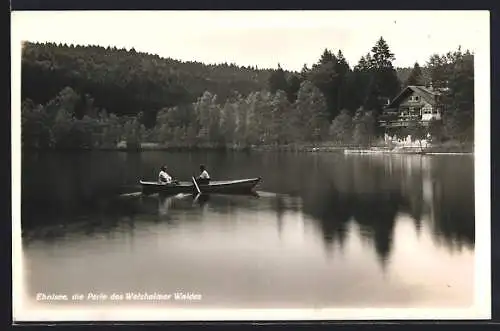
pixel 89 97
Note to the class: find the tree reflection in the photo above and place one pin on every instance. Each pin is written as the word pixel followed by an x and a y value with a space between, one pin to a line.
pixel 377 213
pixel 454 216
pixel 334 211
pixel 437 192
pixel 374 213
pixel 373 191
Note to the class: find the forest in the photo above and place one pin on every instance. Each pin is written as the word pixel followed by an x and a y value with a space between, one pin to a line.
pixel 93 97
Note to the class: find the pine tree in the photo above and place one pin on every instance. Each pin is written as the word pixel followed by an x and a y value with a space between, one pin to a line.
pixel 304 73
pixel 343 93
pixel 384 82
pixel 326 77
pixel 277 80
pixel 382 56
pixel 415 77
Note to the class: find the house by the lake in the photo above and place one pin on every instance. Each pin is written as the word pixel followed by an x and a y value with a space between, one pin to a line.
pixel 414 103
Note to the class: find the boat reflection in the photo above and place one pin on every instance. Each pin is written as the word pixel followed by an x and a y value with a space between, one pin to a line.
pixel 162 204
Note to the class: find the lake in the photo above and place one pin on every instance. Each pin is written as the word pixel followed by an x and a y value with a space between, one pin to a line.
pixel 327 230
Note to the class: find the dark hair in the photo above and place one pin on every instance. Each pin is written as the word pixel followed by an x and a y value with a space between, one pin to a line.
pixel 164 168
pixel 202 167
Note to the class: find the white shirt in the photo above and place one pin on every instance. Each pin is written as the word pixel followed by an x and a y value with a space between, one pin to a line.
pixel 163 177
pixel 205 175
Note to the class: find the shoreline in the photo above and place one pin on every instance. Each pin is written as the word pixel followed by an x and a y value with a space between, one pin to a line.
pixel 442 149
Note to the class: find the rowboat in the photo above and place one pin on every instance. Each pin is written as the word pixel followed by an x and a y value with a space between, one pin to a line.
pixel 240 186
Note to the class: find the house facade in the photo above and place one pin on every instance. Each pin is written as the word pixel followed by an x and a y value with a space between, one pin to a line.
pixel 414 103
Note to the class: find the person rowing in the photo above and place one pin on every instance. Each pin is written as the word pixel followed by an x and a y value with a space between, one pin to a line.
pixel 204 177
pixel 164 177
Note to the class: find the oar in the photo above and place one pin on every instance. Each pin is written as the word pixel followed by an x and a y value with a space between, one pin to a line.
pixel 196 185
pixel 196 198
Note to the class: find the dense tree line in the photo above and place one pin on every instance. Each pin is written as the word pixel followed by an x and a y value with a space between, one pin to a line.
pixel 261 118
pixel 126 82
pixel 95 97
pixel 452 74
pixel 369 84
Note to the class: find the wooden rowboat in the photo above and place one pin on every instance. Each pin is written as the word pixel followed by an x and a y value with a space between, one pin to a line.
pixel 240 186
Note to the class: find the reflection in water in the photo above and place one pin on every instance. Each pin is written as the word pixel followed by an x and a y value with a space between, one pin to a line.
pixel 314 239
pixel 370 190
pixel 374 191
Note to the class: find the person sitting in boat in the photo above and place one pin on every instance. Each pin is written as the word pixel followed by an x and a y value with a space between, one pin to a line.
pixel 164 177
pixel 204 177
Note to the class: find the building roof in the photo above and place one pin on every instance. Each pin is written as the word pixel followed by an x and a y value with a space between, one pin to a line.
pixel 425 93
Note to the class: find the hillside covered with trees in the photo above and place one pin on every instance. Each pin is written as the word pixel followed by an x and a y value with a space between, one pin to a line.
pixel 85 97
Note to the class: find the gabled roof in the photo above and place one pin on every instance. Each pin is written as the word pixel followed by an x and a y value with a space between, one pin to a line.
pixel 422 91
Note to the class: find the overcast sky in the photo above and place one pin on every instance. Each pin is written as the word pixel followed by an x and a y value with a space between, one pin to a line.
pixel 262 38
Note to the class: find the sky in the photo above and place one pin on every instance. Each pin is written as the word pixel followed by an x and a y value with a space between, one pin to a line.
pixel 261 38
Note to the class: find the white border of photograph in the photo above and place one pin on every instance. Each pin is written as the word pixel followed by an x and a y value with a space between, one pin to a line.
pixel 481 309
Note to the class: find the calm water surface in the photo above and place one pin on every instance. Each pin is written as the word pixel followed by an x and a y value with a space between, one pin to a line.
pixel 327 230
